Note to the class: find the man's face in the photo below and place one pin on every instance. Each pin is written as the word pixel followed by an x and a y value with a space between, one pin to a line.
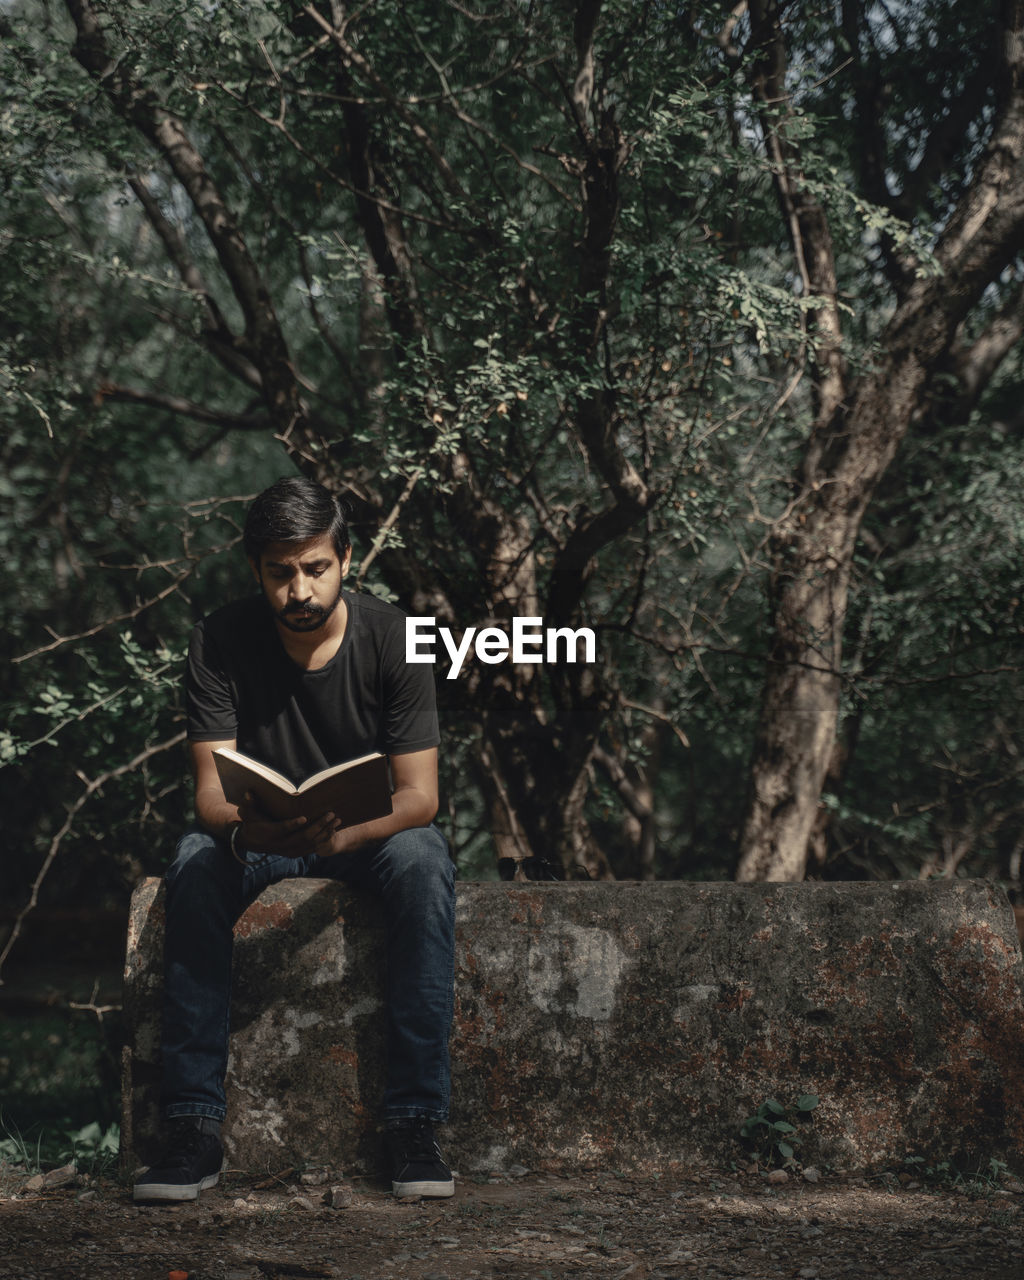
pixel 302 581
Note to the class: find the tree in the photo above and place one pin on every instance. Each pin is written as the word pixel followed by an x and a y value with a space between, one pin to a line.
pixel 860 415
pixel 434 392
pixel 602 313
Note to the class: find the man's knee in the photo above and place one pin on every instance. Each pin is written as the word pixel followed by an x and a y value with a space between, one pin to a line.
pixel 199 859
pixel 419 855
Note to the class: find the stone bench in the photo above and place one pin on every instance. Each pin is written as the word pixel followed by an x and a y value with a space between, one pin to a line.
pixel 624 1025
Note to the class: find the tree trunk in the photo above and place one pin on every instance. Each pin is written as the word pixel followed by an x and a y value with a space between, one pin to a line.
pixel 859 427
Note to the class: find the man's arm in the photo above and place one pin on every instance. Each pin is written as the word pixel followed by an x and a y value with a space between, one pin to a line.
pixel 414 803
pixel 213 812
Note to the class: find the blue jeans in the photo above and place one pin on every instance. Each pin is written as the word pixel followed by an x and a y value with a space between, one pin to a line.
pixel 208 889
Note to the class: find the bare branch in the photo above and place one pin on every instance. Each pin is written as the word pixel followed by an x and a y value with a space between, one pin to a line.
pixel 723 37
pixel 264 343
pixel 977 363
pixel 92 785
pixel 59 641
pixel 584 29
pixel 353 58
pixel 388 524
pixel 185 408
pixel 805 219
pixel 90 1006
pixel 612 766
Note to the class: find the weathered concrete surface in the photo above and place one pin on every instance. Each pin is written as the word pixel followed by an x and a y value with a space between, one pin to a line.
pixel 626 1025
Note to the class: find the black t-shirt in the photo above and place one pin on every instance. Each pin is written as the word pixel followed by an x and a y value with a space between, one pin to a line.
pixel 241 684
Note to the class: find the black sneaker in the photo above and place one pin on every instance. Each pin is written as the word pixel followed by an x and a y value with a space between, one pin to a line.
pixel 190 1163
pixel 415 1158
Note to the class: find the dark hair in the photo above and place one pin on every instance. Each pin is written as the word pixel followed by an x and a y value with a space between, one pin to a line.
pixel 294 510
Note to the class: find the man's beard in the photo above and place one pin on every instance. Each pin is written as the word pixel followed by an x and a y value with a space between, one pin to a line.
pixel 308 617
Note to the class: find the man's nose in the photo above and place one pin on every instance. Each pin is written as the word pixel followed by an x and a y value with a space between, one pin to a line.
pixel 299 587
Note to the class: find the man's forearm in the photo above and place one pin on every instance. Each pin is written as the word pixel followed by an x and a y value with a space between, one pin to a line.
pixel 410 807
pixel 215 814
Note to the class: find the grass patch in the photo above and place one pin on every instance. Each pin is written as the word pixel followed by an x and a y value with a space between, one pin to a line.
pixel 60 1085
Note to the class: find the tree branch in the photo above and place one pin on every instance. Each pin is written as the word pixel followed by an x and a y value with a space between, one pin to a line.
pixel 976 363
pixel 185 408
pixel 353 58
pixel 805 219
pixel 264 343
pixel 92 785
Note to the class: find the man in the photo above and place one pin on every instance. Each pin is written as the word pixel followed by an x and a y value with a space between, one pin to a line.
pixel 301 676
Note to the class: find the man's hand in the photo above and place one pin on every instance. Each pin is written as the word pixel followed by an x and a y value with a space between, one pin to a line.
pixel 293 838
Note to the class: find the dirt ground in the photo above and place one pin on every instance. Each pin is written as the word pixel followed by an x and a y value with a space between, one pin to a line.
pixel 534 1225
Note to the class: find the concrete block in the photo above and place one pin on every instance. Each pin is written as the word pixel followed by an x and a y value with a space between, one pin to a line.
pixel 624 1025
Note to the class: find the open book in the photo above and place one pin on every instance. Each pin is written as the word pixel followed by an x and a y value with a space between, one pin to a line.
pixel 356 791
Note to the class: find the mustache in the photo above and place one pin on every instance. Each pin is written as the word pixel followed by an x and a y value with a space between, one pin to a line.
pixel 312 609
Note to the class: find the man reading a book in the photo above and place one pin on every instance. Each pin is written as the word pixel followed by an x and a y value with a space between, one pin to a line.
pixel 300 676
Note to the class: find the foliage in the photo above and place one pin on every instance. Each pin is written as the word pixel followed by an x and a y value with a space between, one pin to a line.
pixel 984 1180
pixel 59 1078
pixel 558 351
pixel 773 1129
pixel 91 1149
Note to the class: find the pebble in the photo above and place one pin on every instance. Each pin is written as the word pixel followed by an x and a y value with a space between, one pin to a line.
pixel 811 1174
pixel 302 1202
pixel 339 1197
pixel 777 1177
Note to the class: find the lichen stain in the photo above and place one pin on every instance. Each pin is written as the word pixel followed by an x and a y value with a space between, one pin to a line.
pixel 339 1056
pixel 527 907
pixel 470 1017
pixel 571 955
pixel 734 996
pixel 264 915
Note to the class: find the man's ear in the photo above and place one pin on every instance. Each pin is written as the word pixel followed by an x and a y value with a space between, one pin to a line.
pixel 346 562
pixel 254 566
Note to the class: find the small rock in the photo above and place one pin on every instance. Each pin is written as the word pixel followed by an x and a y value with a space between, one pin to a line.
pixel 314 1177
pixel 777 1177
pixel 241 1204
pixel 811 1174
pixel 339 1197
pixel 35 1183
pixel 87 1196
pixel 517 1171
pixel 808 1273
pixel 62 1177
pixel 302 1202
